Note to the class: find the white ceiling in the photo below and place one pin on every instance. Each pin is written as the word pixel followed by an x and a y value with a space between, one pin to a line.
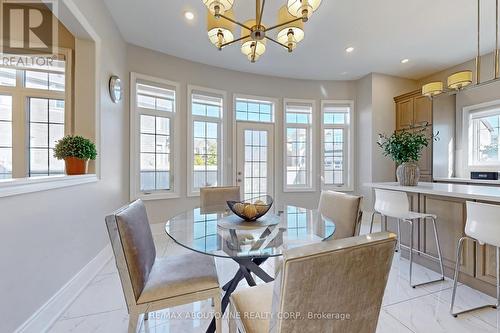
pixel 433 34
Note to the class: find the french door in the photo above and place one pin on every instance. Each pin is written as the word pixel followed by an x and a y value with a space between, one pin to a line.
pixel 255 159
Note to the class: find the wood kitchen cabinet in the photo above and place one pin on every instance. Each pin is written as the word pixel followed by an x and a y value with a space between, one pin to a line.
pixel 413 112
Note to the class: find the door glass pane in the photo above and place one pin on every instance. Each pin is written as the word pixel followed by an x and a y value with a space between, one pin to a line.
pixel 255 163
pixel 155 153
pixel 5 137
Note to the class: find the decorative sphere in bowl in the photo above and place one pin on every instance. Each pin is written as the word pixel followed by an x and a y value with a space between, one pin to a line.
pixel 252 209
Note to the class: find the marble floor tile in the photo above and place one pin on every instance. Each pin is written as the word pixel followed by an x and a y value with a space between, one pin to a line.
pixel 427 314
pixel 398 290
pixel 389 324
pixel 467 298
pixel 103 294
pixel 109 268
pixel 104 322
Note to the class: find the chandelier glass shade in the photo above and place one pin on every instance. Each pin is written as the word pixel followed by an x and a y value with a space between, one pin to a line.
pixel 253 49
pixel 217 7
pixel 220 31
pixel 289 30
pixel 290 33
pixel 303 8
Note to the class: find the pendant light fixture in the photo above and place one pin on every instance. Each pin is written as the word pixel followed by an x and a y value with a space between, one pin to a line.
pixel 254 34
pixel 464 79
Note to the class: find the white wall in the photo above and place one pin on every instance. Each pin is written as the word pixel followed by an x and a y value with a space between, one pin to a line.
pixel 364 123
pixel 376 114
pixel 47 237
pixel 186 72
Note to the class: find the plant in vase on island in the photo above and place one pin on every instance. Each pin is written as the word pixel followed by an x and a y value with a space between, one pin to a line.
pixel 76 151
pixel 405 148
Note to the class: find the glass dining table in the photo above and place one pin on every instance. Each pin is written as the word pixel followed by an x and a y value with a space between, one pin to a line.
pixel 217 232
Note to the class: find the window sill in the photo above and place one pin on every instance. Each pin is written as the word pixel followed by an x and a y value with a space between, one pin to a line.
pixel 157 196
pixel 337 188
pixel 17 186
pixel 298 190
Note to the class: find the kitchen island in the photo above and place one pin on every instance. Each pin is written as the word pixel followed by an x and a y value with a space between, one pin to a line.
pixel 447 201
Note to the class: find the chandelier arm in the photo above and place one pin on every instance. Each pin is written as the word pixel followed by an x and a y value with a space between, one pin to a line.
pixel 235 22
pixel 254 51
pixel 259 19
pixel 234 41
pixel 282 24
pixel 275 41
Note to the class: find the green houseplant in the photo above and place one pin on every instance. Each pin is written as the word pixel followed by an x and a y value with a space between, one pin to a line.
pixel 76 151
pixel 405 148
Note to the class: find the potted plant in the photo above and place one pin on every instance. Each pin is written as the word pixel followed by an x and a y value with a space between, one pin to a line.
pixel 76 151
pixel 405 148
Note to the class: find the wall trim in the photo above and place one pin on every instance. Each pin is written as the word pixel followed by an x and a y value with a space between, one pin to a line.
pixel 48 313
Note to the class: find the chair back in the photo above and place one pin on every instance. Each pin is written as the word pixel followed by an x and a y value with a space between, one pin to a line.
pixel 483 223
pixel 343 278
pixel 344 210
pixel 215 198
pixel 133 246
pixel 391 203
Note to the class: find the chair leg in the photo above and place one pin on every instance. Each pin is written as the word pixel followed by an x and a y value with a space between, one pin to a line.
pixel 411 250
pixel 455 276
pixel 398 249
pixel 371 222
pixel 132 322
pixel 438 245
pixel 218 313
pixel 498 277
pixel 233 328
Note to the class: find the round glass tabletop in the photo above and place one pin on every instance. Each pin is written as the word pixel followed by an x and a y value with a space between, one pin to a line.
pixel 218 232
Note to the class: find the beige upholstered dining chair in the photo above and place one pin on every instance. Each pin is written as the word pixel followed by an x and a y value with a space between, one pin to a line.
pixel 149 283
pixel 344 210
pixel 215 198
pixel 344 279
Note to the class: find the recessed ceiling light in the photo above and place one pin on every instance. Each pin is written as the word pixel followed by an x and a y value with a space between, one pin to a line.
pixel 189 15
pixel 349 49
pixel 404 61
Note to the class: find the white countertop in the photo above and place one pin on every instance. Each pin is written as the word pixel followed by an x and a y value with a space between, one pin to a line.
pixel 473 192
pixel 466 180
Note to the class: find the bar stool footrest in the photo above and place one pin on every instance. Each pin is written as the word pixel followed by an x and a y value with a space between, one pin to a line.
pixel 432 281
pixel 406 247
pixel 494 306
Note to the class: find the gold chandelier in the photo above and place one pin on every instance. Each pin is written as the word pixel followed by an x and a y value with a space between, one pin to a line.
pixel 254 35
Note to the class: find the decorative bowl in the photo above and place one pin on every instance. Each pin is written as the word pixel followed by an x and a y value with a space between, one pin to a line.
pixel 252 209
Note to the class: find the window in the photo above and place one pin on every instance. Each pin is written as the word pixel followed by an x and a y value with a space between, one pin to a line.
pixel 205 138
pixel 254 110
pixel 483 125
pixel 298 145
pixel 34 115
pixel 336 144
pixel 46 127
pixel 153 120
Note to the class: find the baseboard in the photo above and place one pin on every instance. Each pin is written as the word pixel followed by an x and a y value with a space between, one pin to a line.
pixel 45 317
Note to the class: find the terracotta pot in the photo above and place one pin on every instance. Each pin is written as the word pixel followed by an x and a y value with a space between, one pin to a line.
pixel 76 166
pixel 408 174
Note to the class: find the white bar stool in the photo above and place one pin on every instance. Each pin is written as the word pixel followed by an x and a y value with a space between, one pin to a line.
pixel 483 227
pixel 395 204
